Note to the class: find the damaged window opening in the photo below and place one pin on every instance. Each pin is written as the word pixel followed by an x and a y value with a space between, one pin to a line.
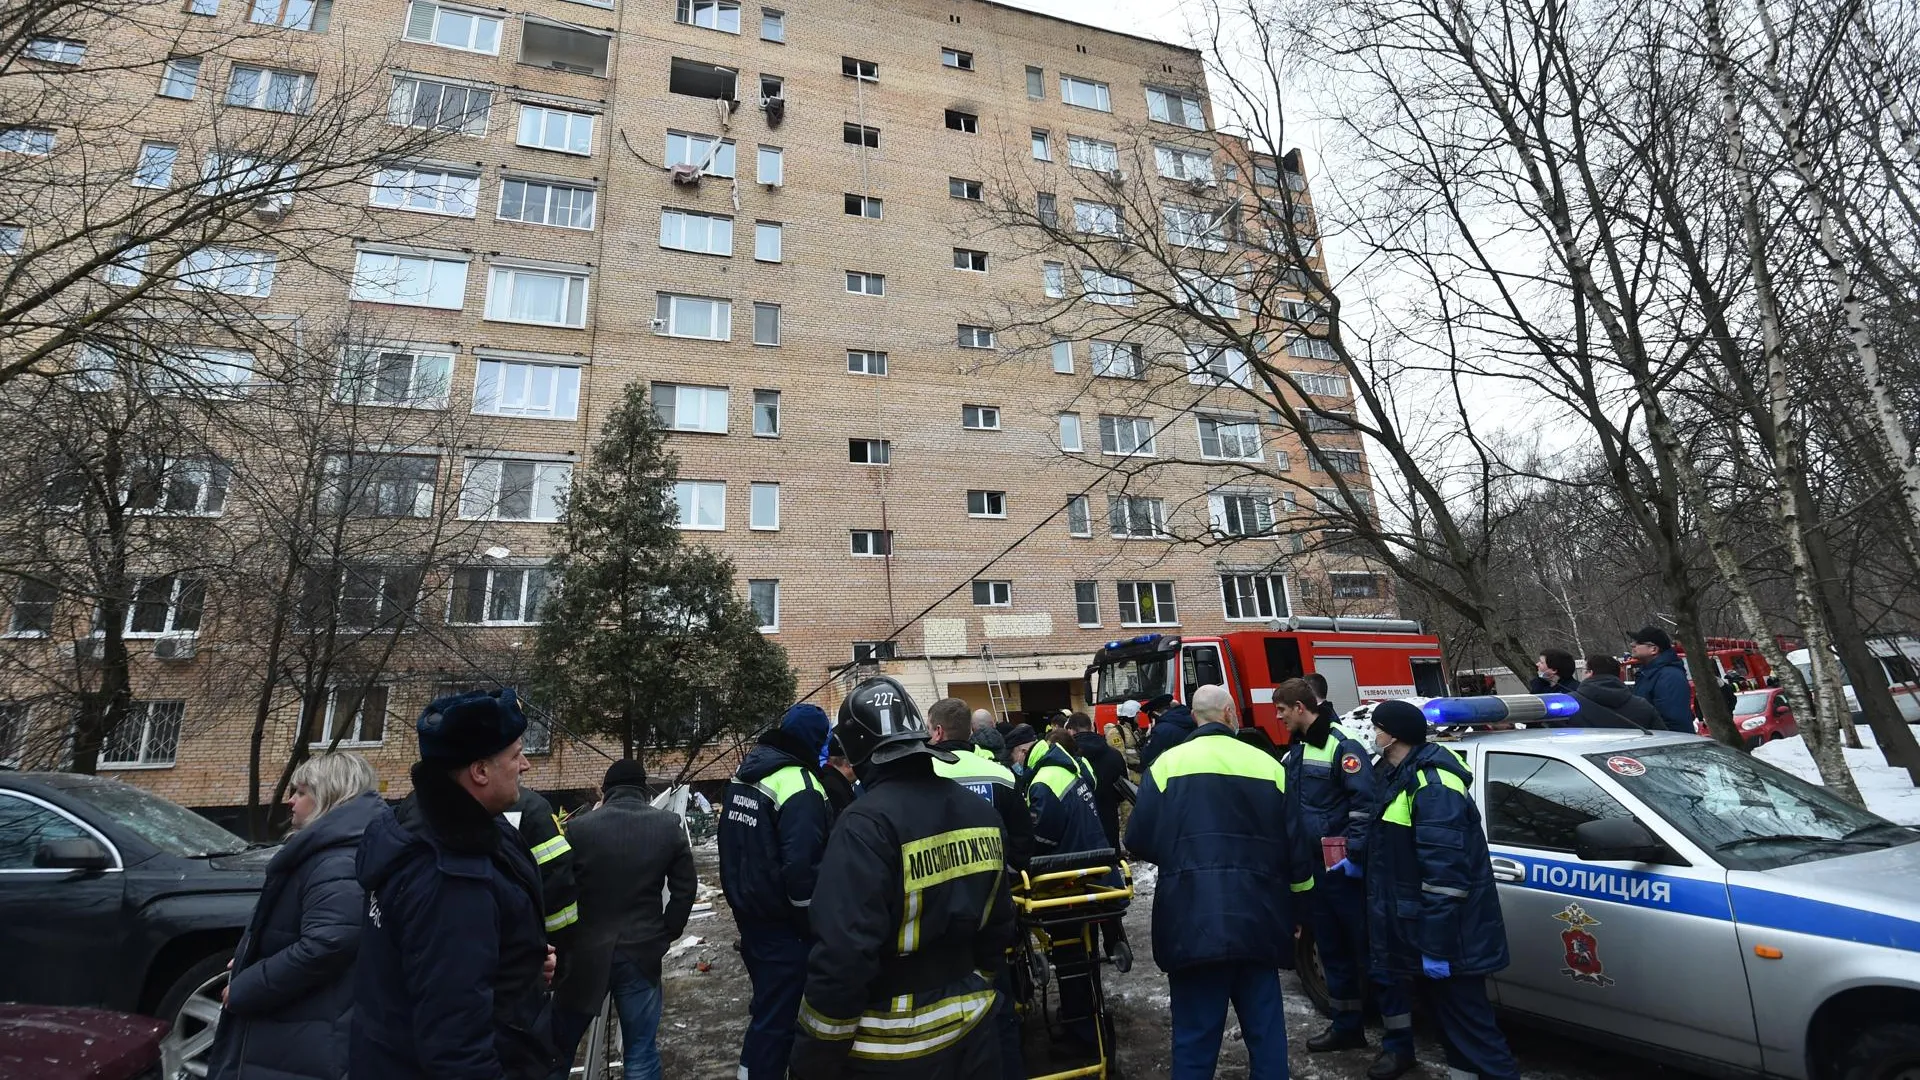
pixel 563 48
pixel 695 79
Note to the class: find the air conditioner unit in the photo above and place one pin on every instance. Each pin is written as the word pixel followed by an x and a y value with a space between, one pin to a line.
pixel 176 646
pixel 1116 177
pixel 1202 183
pixel 273 207
pixel 659 326
pixel 90 650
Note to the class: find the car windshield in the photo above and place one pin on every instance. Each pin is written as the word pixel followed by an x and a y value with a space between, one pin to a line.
pixel 1748 814
pixel 1753 701
pixel 1132 680
pixel 168 826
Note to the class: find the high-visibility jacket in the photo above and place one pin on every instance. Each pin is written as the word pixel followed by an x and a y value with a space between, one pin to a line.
pixel 539 829
pixel 1212 814
pixel 911 907
pixel 773 827
pixel 979 773
pixel 1060 790
pixel 1329 788
pixel 1430 888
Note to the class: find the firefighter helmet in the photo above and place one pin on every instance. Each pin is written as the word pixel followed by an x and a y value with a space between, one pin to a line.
pixel 880 723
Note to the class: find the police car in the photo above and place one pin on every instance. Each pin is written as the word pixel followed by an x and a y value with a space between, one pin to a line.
pixel 1670 896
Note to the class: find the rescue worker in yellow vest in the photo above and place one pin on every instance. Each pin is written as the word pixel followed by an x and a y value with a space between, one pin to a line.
pixel 539 827
pixel 1433 914
pixel 911 906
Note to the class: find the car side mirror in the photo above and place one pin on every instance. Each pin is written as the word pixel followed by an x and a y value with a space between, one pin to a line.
pixel 73 853
pixel 1620 839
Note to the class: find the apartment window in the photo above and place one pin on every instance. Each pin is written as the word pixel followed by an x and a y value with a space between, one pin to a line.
pixel 766 241
pixel 545 128
pixel 416 280
pixel 712 156
pixel 13 239
pixel 229 270
pixel 954 58
pixel 1205 292
pixel 541 202
pixel 314 15
pixel 1085 93
pixel 452 28
pixel 693 317
pixel 691 408
pixel 500 489
pixel 866 362
pixel 773 25
pixel 766 413
pixel 863 206
pixel 1101 287
pixel 269 88
pixel 1036 83
pixel 1062 353
pixel 969 259
pixel 147 735
pixel 1312 348
pixel 1117 360
pixel 186 486
pixel 1181 163
pixel 1173 107
pixel 763 506
pixel 1321 385
pixel 542 297
pixel 497 596
pixel 127 269
pixel 180 78
pixel 154 169
pixel 1217 365
pixel 1355 586
pixel 1136 517
pixel 766 324
pixel 55 50
pixel 1094 154
pixel 165 605
pixel 770 166
pixel 1189 226
pixel 685 230
pixel 33 606
pixel 702 505
pixel 1334 461
pixel 1079 518
pixel 1042 145
pixel 423 103
pixel 522 388
pixel 1334 421
pixel 860 135
pixel 355 715
pixel 1086 603
pixel 722 15
pixel 1254 596
pixel 1070 432
pixel 1126 435
pixel 1283 461
pixel 866 284
pixel 1047 208
pixel 869 451
pixel 379 485
pixel 872 652
pixel 1241 513
pixel 975 337
pixel 871 542
pixel 964 189
pixel 763 597
pixel 203 7
pixel 429 191
pixel 1147 603
pixel 990 504
pixel 200 371
pixel 980 417
pixel 963 121
pixel 1053 282
pixel 1096 217
pixel 561 47
pixel 993 594
pixel 403 378
pixel 864 70
pixel 1229 440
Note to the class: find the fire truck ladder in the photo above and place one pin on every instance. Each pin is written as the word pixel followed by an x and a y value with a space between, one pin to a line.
pixel 996 690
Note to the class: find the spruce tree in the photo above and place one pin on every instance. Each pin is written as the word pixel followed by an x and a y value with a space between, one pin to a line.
pixel 643 637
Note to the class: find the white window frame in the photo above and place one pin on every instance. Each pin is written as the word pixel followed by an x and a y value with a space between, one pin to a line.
pixel 773 25
pixel 310 15
pixel 883 537
pixel 756 521
pixel 230 271
pixel 127 269
pixel 429 377
pixel 968 256
pixel 177 587
pixel 986 501
pixel 202 370
pixel 1101 287
pixel 528 613
pixel 998 592
pixel 882 447
pixel 1061 352
pixel 1311 348
pixel 766 626
pixel 179 78
pixel 359 718
pixel 1096 154
pixel 982 417
pixel 1135 426
pixel 528 389
pixel 1071 436
pixel 481 479
pixel 775 176
pixel 678 228
pixel 772 311
pixel 1183 163
pixel 52 50
pixel 552 193
pixel 208 475
pixel 1163 602
pixel 766 403
pixel 1217 365
pixel 1192 113
pixel 143 712
pixel 1097 218
pixel 377 485
pixel 719 316
pixel 1127 513
pixel 1079 516
pixel 870 284
pixel 1322 384
pixel 864 204
pixel 450 193
pixel 769 241
pixel 706 405
pixel 1259 588
pixel 709 15
pixel 263 96
pixel 542 119
pixel 434 26
pixel 1053 280
pixel 693 148
pixel 428 265
pixel 873 362
pixel 1244 501
pixel 1201 421
pixel 503 281
pixel 1042 144
pixel 700 505
pixel 1096 94
pixel 147 175
pixel 974 337
pixel 957 59
pixel 1116 359
pixel 1092 588
pixel 406 94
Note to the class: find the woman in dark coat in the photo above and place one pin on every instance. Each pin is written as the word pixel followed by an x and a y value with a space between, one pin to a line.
pixel 290 999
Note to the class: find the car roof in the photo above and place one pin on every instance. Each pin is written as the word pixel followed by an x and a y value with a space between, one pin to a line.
pixel 61 781
pixel 1573 741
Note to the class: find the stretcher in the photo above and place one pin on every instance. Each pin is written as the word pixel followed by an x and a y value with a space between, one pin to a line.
pixel 1065 904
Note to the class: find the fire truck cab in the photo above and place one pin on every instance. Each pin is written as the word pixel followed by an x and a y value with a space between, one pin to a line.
pixel 1361 659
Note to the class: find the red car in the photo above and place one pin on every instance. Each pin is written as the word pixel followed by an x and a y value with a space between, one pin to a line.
pixel 43 1042
pixel 1761 715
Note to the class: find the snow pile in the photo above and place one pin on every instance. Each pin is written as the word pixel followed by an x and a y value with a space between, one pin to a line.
pixel 1145 877
pixel 1887 790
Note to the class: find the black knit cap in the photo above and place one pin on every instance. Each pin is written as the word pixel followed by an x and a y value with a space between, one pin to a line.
pixel 460 729
pixel 625 771
pixel 1401 719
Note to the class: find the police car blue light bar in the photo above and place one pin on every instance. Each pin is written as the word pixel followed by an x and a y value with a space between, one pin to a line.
pixel 1465 711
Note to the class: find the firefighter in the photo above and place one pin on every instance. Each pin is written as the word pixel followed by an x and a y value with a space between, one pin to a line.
pixel 539 827
pixel 1330 795
pixel 911 907
pixel 773 833
pixel 1427 853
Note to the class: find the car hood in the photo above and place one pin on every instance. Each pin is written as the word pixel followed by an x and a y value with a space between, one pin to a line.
pixel 1872 897
pixel 46 1043
pixel 252 860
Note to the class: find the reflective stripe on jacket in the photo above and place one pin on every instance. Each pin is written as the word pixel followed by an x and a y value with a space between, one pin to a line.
pixel 979 773
pixel 539 828
pixel 1330 788
pixel 773 832
pixel 1060 791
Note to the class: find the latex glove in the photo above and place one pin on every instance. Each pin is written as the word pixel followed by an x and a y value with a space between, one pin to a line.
pixel 1347 867
pixel 1435 969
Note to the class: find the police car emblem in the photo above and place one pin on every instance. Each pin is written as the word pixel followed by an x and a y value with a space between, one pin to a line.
pixel 1350 763
pixel 1582 948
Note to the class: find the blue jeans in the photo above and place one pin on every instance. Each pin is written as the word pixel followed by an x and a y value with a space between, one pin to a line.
pixel 637 999
pixel 1200 996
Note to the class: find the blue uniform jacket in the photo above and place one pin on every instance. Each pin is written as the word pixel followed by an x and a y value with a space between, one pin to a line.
pixel 1330 789
pixel 1174 727
pixel 1663 682
pixel 774 820
pixel 1212 816
pixel 1060 791
pixel 1430 889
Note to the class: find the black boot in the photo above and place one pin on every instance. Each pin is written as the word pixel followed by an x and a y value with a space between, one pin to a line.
pixel 1390 1065
pixel 1335 1039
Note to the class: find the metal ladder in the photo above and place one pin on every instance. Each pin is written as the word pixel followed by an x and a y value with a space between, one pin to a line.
pixel 996 690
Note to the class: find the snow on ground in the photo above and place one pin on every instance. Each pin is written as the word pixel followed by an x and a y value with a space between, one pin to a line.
pixel 1887 790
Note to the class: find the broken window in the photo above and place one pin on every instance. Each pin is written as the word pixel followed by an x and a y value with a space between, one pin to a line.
pixel 563 48
pixel 695 79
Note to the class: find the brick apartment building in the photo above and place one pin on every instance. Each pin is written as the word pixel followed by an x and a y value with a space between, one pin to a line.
pixel 790 223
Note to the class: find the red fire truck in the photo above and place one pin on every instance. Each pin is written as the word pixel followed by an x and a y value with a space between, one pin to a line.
pixel 1362 660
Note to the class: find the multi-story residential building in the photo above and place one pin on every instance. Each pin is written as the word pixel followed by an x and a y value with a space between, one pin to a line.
pixel 801 228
